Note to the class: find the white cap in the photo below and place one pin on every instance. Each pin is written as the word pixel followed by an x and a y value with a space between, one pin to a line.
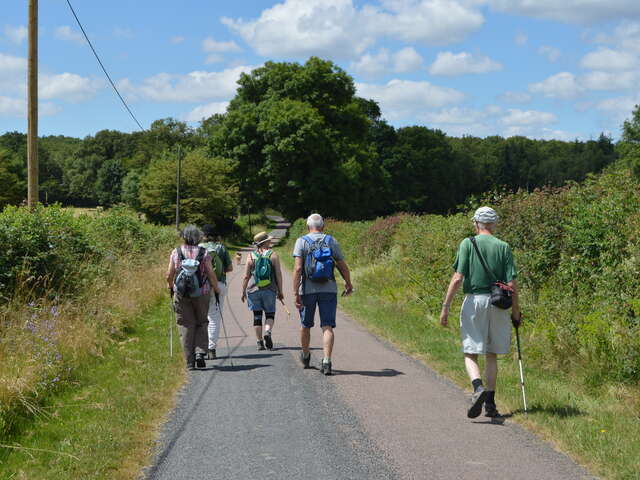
pixel 486 215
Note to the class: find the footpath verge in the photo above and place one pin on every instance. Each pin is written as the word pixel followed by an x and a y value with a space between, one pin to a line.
pixel 103 426
pixel 596 426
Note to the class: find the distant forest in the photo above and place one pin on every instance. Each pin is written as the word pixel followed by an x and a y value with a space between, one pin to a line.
pixel 296 138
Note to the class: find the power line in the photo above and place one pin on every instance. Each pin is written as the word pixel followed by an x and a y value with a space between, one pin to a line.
pixel 102 66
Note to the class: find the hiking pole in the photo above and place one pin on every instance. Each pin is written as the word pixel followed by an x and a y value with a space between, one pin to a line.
pixel 524 397
pixel 286 309
pixel 224 329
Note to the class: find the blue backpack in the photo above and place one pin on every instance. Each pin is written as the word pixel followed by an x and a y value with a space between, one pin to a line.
pixel 319 261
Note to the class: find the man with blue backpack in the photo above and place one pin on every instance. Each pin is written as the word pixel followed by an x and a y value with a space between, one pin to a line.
pixel 262 284
pixel 314 284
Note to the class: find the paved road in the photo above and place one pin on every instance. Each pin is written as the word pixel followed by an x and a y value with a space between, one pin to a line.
pixel 382 415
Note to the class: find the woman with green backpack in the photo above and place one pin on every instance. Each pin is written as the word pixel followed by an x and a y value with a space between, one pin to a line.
pixel 261 286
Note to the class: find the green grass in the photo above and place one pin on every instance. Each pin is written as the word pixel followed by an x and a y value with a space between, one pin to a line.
pixel 104 425
pixel 597 425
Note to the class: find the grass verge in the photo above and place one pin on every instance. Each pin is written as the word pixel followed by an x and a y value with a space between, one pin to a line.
pixel 103 424
pixel 597 425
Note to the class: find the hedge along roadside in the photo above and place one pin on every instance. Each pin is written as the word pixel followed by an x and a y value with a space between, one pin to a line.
pixel 80 284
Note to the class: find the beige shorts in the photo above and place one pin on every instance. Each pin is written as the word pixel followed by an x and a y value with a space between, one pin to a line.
pixel 483 327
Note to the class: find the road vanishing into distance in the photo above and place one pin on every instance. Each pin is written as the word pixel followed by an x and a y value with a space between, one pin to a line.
pixel 381 415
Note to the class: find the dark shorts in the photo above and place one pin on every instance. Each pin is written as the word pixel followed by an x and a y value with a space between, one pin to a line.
pixel 327 304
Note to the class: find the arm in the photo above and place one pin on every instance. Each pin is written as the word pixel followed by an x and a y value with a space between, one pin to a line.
pixel 454 285
pixel 343 268
pixel 297 279
pixel 275 261
pixel 228 264
pixel 247 276
pixel 171 274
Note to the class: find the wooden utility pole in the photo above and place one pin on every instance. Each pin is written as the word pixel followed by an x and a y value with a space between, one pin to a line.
pixel 178 188
pixel 32 106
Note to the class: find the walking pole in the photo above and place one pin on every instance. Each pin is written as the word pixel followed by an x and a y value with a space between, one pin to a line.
pixel 224 329
pixel 524 397
pixel 286 309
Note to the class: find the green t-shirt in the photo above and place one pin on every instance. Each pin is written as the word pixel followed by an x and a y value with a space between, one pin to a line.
pixel 498 257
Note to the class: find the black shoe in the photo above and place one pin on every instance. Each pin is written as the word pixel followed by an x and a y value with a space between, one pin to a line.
pixel 268 342
pixel 200 363
pixel 260 345
pixel 305 359
pixel 325 368
pixel 477 399
pixel 211 354
pixel 191 366
pixel 491 411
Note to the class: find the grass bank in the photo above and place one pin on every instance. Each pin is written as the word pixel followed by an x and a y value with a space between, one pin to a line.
pixel 103 423
pixel 576 252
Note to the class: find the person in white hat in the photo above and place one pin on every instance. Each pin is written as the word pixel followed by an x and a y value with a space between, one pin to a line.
pixel 485 328
pixel 262 284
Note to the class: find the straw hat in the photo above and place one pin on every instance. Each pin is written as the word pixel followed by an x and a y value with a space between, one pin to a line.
pixel 261 238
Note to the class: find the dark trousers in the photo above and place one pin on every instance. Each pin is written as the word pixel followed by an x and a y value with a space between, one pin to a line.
pixel 191 317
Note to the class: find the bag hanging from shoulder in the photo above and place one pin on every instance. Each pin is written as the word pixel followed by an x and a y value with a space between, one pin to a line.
pixel 189 280
pixel 319 261
pixel 501 293
pixel 262 268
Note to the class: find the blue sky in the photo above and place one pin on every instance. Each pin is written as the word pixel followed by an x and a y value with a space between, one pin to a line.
pixel 541 68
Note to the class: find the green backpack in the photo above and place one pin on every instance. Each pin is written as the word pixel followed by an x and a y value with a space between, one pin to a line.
pixel 216 250
pixel 262 268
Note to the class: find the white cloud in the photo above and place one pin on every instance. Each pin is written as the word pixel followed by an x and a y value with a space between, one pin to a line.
pixel 17 107
pixel 521 39
pixel 12 74
pixel 552 53
pixel 454 116
pixel 68 86
pixel 449 63
pixel 543 133
pixel 198 86
pixel 338 29
pixel 176 39
pixel 205 111
pixel 527 117
pixel 66 33
pixel 618 109
pixel 400 99
pixel 209 45
pixel 16 34
pixel 571 11
pixel 597 80
pixel 515 97
pixel 407 60
pixel 606 59
pixel 563 85
pixel 373 65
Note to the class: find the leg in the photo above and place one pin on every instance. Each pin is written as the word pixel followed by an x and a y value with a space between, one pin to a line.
pixel 214 318
pixel 185 317
pixel 257 323
pixel 307 315
pixel 270 319
pixel 305 338
pixel 201 338
pixel 327 341
pixel 471 364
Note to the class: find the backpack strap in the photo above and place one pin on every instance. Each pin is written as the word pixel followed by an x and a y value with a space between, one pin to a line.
pixel 484 265
pixel 180 254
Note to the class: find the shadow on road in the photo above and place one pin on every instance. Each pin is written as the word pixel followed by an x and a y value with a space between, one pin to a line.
pixel 296 348
pixel 239 368
pixel 256 355
pixel 386 372
pixel 560 411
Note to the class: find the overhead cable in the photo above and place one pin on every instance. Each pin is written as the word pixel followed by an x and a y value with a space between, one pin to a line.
pixel 102 66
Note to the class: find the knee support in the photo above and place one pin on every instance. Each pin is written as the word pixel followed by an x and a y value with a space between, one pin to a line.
pixel 270 316
pixel 257 318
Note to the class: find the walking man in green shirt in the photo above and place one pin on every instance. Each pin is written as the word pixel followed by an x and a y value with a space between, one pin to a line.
pixel 485 329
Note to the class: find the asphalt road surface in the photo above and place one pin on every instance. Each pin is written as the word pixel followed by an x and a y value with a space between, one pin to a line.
pixel 382 415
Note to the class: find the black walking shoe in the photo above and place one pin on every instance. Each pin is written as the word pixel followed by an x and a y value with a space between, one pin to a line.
pixel 325 368
pixel 260 345
pixel 305 359
pixel 490 410
pixel 477 399
pixel 211 354
pixel 268 342
pixel 200 363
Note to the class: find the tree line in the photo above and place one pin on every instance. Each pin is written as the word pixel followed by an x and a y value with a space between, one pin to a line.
pixel 297 138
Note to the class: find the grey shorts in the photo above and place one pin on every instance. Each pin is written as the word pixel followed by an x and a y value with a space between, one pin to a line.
pixel 483 327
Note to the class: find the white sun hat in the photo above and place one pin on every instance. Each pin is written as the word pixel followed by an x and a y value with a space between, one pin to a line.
pixel 486 215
